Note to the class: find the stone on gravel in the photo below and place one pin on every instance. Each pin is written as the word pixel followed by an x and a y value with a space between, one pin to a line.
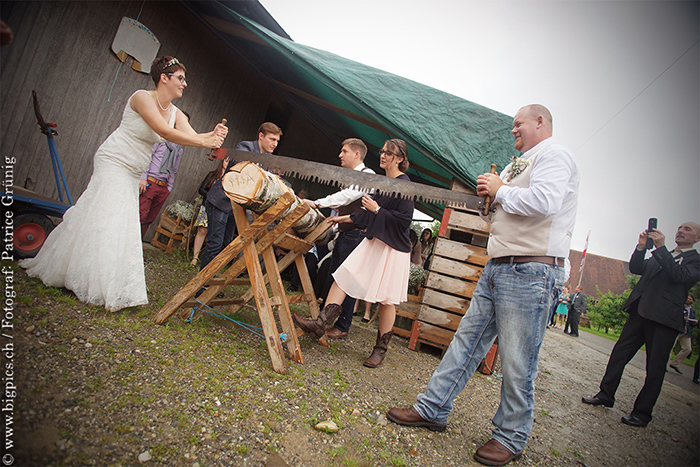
pixel 328 426
pixel 144 456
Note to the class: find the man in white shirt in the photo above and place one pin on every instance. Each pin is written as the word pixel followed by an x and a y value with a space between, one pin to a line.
pixel 535 199
pixel 352 156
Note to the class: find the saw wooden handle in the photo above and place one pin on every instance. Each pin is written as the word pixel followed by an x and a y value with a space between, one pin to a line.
pixel 212 153
pixel 487 200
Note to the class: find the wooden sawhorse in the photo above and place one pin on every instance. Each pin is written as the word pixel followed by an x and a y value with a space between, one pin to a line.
pixel 254 240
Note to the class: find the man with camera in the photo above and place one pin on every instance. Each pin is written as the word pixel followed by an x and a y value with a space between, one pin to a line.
pixel 655 309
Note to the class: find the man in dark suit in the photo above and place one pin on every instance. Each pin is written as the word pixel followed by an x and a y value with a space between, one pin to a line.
pixel 578 305
pixel 222 225
pixel 655 309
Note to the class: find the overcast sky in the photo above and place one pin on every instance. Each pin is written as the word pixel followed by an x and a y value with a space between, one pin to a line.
pixel 621 79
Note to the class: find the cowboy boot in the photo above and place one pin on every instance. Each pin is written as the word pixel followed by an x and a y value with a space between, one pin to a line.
pixel 379 350
pixel 323 323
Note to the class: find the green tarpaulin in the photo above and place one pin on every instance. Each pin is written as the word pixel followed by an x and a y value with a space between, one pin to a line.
pixel 448 137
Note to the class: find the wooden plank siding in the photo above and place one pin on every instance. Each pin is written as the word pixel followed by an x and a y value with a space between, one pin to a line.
pixel 63 51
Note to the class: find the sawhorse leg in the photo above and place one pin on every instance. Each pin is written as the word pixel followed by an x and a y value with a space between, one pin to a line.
pixel 262 300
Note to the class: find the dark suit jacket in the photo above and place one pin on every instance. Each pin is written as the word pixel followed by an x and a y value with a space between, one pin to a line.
pixel 663 288
pixel 578 302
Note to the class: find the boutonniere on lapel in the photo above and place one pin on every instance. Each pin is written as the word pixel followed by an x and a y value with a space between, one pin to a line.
pixel 516 167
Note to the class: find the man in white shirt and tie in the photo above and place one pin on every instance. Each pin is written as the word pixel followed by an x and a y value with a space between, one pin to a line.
pixel 352 156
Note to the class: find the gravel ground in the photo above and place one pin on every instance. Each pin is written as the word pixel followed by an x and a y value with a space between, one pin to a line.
pixel 107 389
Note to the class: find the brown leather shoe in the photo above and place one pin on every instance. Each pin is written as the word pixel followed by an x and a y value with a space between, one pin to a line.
pixel 409 417
pixel 494 453
pixel 336 333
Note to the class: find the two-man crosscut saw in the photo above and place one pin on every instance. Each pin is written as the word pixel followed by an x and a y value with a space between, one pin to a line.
pixel 344 178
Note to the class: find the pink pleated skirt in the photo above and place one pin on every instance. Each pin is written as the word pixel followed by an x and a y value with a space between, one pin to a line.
pixel 376 273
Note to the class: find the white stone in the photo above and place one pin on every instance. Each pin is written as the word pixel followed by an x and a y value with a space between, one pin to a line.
pixel 144 457
pixel 327 426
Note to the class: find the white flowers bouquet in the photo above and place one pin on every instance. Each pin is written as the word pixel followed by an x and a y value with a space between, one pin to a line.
pixel 416 278
pixel 181 208
pixel 517 166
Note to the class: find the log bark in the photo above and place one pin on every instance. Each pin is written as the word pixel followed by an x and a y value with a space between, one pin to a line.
pixel 257 189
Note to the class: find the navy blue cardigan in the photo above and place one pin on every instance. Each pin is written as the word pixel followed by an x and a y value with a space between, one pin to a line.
pixel 393 222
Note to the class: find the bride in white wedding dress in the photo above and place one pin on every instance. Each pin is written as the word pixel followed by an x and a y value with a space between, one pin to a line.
pixel 96 251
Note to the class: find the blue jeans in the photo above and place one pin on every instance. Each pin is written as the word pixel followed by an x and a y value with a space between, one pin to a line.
pixel 511 302
pixel 221 226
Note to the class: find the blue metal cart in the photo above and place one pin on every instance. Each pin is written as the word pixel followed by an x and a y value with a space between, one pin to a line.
pixel 31 210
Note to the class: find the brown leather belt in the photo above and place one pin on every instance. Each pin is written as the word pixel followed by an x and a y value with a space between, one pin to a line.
pixel 554 261
pixel 156 181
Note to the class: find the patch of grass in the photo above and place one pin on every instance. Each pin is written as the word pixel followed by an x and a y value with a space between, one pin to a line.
pixel 121 429
pixel 339 381
pixel 95 384
pixel 134 399
pixel 337 452
pixel 554 452
pixel 612 334
pixel 398 461
pixel 163 453
pixel 23 299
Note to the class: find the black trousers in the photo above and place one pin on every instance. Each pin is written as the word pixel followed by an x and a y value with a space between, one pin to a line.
pixel 572 320
pixel 344 245
pixel 696 370
pixel 659 340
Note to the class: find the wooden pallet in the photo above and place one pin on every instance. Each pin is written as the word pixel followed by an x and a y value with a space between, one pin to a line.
pixel 170 232
pixel 406 314
pixel 458 260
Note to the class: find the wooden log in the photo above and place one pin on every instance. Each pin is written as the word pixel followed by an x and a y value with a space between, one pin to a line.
pixel 248 185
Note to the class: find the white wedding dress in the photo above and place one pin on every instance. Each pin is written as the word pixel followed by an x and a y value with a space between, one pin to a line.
pixel 96 251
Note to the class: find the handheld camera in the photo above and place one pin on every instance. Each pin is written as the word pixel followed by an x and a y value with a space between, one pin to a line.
pixel 652 225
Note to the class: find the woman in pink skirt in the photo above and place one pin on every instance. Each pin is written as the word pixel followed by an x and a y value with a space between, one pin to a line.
pixel 377 270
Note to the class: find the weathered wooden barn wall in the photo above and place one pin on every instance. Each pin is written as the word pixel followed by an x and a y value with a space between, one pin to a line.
pixel 63 51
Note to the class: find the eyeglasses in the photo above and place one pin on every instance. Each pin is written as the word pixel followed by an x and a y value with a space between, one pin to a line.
pixel 386 153
pixel 180 77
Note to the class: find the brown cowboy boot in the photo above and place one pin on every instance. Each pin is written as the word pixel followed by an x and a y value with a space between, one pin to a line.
pixel 379 350
pixel 323 323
